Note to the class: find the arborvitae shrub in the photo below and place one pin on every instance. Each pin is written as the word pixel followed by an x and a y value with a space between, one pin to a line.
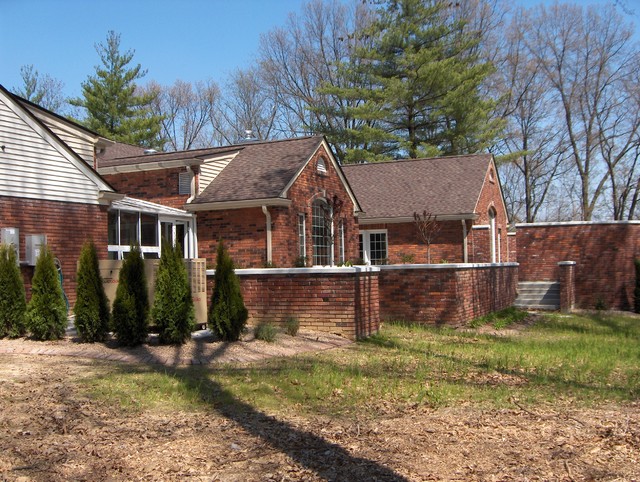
pixel 227 313
pixel 92 307
pixel 13 303
pixel 636 291
pixel 131 304
pixel 173 311
pixel 47 310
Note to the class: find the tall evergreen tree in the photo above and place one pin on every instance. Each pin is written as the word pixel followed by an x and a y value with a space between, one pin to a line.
pixel 92 307
pixel 116 108
pixel 173 311
pixel 131 304
pixel 47 310
pixel 227 313
pixel 13 304
pixel 425 77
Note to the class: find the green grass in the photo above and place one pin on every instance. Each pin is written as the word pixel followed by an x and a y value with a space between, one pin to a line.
pixel 580 360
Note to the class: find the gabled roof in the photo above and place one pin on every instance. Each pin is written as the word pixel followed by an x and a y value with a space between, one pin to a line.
pixel 260 170
pixel 444 186
pixel 21 108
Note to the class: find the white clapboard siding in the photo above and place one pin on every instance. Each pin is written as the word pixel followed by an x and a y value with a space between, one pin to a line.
pixel 76 138
pixel 210 169
pixel 32 167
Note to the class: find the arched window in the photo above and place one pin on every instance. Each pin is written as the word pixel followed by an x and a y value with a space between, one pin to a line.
pixel 321 166
pixel 322 233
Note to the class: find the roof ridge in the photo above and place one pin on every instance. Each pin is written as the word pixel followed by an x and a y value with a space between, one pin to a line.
pixel 395 161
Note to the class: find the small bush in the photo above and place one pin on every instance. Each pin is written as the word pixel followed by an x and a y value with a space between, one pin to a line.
pixel 500 319
pixel 291 326
pixel 227 313
pixel 265 332
pixel 131 305
pixel 173 310
pixel 47 311
pixel 92 307
pixel 407 258
pixel 600 304
pixel 13 303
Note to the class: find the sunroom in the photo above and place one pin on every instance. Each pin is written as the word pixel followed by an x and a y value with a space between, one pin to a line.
pixel 149 224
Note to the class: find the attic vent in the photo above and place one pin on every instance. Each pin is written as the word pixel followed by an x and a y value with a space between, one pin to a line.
pixel 184 183
pixel 150 151
pixel 321 166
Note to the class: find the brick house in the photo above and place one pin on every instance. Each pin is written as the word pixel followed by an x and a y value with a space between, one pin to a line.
pixel 50 193
pixel 280 203
pixel 461 193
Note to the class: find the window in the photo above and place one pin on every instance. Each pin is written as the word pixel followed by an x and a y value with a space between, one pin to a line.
pixel 373 246
pixel 341 256
pixel 184 183
pixel 321 233
pixel 302 236
pixel 127 228
pixel 492 233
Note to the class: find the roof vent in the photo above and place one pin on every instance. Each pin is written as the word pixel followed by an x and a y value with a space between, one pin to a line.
pixel 248 136
pixel 150 151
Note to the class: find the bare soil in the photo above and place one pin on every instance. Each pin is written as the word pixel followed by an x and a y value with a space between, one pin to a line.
pixel 50 430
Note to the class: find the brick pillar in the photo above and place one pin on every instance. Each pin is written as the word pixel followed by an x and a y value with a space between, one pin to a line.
pixel 567 278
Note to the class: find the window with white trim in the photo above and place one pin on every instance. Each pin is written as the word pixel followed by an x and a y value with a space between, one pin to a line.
pixel 126 228
pixel 341 255
pixel 373 246
pixel 321 167
pixel 321 233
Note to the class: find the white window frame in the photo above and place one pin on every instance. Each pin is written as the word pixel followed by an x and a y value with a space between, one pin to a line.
pixel 302 235
pixel 366 244
pixel 327 236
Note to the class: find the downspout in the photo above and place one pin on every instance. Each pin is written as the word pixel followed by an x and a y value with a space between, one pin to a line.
pixel 193 184
pixel 465 248
pixel 268 221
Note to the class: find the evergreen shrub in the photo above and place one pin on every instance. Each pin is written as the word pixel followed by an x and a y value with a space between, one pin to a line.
pixel 173 311
pixel 47 311
pixel 13 302
pixel 92 307
pixel 227 313
pixel 131 304
pixel 266 332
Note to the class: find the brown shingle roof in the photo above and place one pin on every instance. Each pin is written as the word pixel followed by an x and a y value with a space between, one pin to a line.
pixel 260 170
pixel 118 150
pixel 441 186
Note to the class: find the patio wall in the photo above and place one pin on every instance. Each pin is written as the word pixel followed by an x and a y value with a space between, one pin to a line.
pixel 603 252
pixel 451 294
pixel 335 300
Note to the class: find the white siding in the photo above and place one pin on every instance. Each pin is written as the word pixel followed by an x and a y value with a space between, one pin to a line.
pixel 81 144
pixel 209 170
pixel 31 167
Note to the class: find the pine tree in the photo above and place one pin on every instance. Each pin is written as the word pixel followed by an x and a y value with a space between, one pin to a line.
pixel 92 307
pixel 131 304
pixel 13 303
pixel 115 106
pixel 227 313
pixel 47 310
pixel 173 310
pixel 424 79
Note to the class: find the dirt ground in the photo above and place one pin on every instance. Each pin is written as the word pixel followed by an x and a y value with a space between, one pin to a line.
pixel 51 431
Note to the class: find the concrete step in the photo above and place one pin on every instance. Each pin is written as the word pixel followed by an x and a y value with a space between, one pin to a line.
pixel 538 295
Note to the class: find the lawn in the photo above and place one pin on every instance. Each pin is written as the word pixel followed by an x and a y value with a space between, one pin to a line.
pixel 579 359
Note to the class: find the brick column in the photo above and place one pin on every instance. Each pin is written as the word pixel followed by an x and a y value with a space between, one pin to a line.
pixel 567 279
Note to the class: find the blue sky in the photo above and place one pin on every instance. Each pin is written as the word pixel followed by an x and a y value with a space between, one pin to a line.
pixel 187 39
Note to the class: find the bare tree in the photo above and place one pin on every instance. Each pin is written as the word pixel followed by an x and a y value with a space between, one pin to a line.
pixel 428 227
pixel 587 57
pixel 186 111
pixel 43 90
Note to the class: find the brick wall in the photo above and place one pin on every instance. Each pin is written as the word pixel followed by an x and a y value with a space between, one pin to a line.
pixel 447 294
pixel 334 300
pixel 67 226
pixel 603 252
pixel 245 231
pixel 159 186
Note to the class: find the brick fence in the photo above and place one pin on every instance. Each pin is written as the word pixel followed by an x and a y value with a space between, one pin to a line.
pixel 450 294
pixel 604 272
pixel 335 300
